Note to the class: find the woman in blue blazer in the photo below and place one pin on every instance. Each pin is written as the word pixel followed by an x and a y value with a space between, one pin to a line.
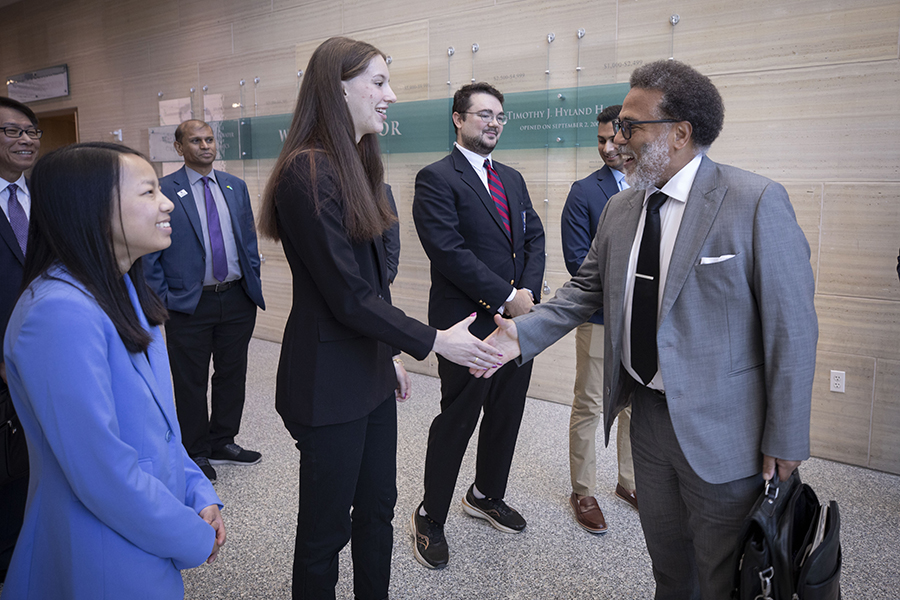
pixel 115 505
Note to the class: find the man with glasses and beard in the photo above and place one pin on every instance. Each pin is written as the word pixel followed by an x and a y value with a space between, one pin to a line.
pixel 704 279
pixel 486 246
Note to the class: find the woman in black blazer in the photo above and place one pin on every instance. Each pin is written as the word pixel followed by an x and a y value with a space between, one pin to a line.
pixel 337 383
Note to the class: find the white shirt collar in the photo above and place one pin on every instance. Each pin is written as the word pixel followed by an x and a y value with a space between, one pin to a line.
pixel 679 186
pixel 475 159
pixel 20 183
pixel 194 176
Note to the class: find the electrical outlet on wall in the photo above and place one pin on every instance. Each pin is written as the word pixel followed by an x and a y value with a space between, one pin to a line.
pixel 837 381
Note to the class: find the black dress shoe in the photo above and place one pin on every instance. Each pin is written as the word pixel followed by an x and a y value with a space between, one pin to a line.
pixel 232 454
pixel 204 465
pixel 429 544
pixel 495 511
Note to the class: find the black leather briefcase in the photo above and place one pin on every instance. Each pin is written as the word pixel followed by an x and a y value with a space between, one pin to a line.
pixel 789 547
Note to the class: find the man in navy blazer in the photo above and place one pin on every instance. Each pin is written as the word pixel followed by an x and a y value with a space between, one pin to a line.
pixel 209 280
pixel 486 246
pixel 18 152
pixel 585 203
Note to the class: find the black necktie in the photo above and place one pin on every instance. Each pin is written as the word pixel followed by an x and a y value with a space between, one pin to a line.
pixel 645 302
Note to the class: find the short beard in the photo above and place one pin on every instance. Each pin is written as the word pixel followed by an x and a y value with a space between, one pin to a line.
pixel 477 145
pixel 648 170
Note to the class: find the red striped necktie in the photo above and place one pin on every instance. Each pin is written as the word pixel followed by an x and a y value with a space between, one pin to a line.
pixel 498 194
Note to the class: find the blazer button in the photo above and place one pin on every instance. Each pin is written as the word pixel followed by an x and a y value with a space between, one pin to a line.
pixel 169 435
pixel 514 254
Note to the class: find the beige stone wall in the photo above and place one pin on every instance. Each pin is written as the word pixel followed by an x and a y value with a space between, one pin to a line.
pixel 811 90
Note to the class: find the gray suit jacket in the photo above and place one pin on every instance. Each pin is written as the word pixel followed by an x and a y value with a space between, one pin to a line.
pixel 737 338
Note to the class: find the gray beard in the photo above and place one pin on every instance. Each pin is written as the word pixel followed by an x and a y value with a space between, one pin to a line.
pixel 649 169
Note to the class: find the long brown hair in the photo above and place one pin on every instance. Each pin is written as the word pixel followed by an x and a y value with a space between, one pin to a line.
pixel 322 123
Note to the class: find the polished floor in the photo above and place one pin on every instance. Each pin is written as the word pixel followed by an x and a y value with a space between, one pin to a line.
pixel 552 559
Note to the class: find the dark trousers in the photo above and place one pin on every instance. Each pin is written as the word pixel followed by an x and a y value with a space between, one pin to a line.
pixel 691 526
pixel 220 327
pixel 462 399
pixel 12 504
pixel 342 467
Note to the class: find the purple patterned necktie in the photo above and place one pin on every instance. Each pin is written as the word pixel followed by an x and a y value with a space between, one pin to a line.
pixel 18 220
pixel 498 194
pixel 216 240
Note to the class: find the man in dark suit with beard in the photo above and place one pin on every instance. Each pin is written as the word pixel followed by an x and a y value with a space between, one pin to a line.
pixel 486 246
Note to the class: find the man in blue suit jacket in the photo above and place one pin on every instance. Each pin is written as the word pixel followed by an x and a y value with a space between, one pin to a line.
pixel 17 154
pixel 585 203
pixel 209 280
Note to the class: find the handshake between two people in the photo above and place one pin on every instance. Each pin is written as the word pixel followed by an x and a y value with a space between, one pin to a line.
pixel 483 358
pixel 505 340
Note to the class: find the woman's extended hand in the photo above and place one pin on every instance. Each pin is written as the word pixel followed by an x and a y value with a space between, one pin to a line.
pixel 211 515
pixel 458 345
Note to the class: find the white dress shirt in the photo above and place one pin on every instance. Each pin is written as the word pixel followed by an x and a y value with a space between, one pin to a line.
pixel 678 188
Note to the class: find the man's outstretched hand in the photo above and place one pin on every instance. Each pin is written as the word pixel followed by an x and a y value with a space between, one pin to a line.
pixel 505 339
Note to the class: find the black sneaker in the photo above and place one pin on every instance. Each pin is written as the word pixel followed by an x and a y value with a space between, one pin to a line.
pixel 203 463
pixel 495 511
pixel 429 543
pixel 232 454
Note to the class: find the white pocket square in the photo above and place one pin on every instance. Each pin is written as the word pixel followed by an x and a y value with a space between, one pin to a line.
pixel 711 260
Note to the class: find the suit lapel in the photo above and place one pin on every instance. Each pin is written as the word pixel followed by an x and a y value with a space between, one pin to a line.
pixel 471 179
pixel 152 367
pixel 234 205
pixel 183 184
pixel 607 182
pixel 9 237
pixel 618 256
pixel 700 211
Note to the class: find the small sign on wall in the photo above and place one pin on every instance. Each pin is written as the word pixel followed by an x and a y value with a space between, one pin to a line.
pixel 42 84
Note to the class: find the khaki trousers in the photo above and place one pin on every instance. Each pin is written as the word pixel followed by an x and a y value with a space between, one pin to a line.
pixel 587 409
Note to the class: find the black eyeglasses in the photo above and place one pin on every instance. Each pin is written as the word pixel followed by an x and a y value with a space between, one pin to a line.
pixel 487 116
pixel 625 126
pixel 15 133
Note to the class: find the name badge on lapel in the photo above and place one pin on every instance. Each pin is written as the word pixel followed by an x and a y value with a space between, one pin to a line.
pixel 182 193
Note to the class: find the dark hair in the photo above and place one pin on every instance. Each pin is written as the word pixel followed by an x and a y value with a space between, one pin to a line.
pixel 462 99
pixel 688 95
pixel 322 123
pixel 73 190
pixel 179 131
pixel 609 113
pixel 16 105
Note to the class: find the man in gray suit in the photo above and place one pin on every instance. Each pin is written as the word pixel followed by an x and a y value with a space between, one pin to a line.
pixel 718 366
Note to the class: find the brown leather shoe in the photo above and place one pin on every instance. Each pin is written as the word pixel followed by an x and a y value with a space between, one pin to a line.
pixel 588 513
pixel 629 497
